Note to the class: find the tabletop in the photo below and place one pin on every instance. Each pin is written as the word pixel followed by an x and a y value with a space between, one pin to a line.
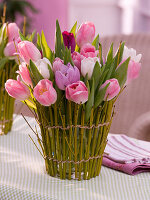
pixel 23 176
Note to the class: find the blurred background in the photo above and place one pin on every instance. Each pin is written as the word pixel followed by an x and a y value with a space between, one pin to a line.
pixel 109 16
pixel 115 20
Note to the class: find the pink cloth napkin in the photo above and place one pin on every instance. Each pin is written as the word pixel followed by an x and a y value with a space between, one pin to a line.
pixel 126 154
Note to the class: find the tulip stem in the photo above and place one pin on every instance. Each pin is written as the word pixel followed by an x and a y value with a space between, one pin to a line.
pixel 53 140
pixel 57 139
pixel 70 137
pixel 87 153
pixel 105 134
pixel 94 140
pixel 98 144
pixel 81 141
pixel 76 111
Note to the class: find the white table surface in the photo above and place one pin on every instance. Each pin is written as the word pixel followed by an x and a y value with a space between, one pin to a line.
pixel 23 177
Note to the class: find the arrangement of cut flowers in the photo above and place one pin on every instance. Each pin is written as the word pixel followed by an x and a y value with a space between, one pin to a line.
pixel 9 36
pixel 71 92
pixel 9 61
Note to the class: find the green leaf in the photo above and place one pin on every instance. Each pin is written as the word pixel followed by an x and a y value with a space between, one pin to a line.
pixel 110 55
pixel 60 93
pixel 51 73
pixel 39 41
pixel 22 37
pixel 96 42
pixel 100 54
pixel 102 78
pixel 90 103
pixel 30 104
pixel 118 57
pixel 100 96
pixel 121 72
pixel 59 44
pixel 45 48
pixel 2 46
pixel 31 36
pixel 96 74
pixel 36 76
pixel 67 57
pixel 73 30
pixel 3 61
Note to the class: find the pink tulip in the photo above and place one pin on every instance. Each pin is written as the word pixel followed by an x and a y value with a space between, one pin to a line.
pixel 112 90
pixel 44 92
pixel 85 34
pixel 12 32
pixel 88 50
pixel 24 73
pixel 77 58
pixel 57 64
pixel 77 92
pixel 29 51
pixel 10 49
pixel 133 71
pixel 17 89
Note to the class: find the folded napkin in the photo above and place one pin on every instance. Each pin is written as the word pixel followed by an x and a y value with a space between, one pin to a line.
pixel 126 154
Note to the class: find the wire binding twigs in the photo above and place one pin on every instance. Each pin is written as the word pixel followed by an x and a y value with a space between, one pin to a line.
pixel 72 161
pixel 77 126
pixel 6 121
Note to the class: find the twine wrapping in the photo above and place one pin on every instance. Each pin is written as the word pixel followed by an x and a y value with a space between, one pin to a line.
pixel 6 121
pixel 77 126
pixel 72 161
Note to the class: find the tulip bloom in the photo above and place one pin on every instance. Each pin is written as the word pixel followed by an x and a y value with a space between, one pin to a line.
pixel 87 66
pixel 77 58
pixel 24 73
pixel 57 64
pixel 42 65
pixel 133 71
pixel 134 65
pixel 112 90
pixel 66 75
pixel 12 32
pixel 85 34
pixel 28 51
pixel 69 40
pixel 44 92
pixel 88 50
pixel 17 89
pixel 77 92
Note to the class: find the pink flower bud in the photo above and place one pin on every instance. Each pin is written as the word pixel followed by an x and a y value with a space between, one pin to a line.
pixel 57 64
pixel 77 58
pixel 77 92
pixel 29 51
pixel 10 49
pixel 133 71
pixel 88 50
pixel 112 90
pixel 44 92
pixel 85 34
pixel 17 89
pixel 12 32
pixel 24 73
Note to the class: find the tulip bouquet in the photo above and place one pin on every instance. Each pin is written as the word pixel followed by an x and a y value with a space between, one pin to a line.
pixel 71 92
pixel 9 36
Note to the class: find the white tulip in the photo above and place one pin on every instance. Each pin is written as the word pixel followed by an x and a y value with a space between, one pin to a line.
pixel 131 53
pixel 42 65
pixel 87 66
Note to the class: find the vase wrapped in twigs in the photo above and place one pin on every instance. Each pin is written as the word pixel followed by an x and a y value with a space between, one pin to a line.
pixel 71 147
pixel 71 93
pixel 6 102
pixel 9 34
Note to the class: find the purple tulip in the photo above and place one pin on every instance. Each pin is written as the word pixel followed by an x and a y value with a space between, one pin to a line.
pixel 66 75
pixel 69 40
